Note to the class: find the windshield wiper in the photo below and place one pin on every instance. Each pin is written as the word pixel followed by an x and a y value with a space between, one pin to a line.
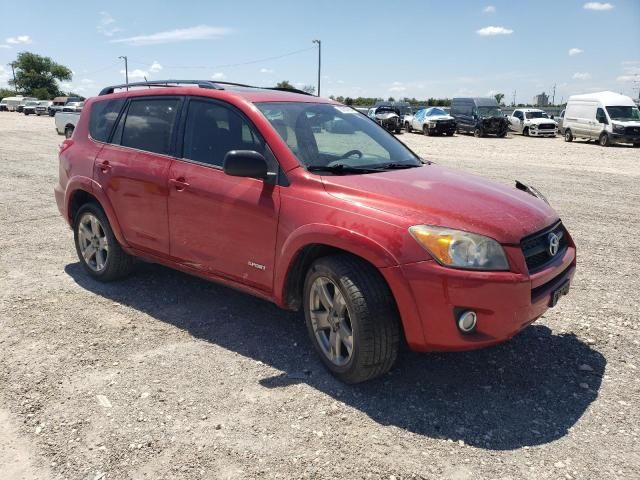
pixel 394 166
pixel 342 168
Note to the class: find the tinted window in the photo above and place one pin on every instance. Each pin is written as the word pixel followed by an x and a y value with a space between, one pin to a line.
pixel 103 116
pixel 600 116
pixel 149 124
pixel 212 130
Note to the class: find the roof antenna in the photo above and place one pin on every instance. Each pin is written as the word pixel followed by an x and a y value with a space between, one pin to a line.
pixel 145 79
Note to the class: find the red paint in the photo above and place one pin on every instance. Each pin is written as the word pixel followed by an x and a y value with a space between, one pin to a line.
pixel 199 220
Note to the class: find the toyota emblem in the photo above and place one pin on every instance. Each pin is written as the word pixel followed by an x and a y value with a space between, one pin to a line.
pixel 554 244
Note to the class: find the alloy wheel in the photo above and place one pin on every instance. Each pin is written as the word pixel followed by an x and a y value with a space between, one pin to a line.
pixel 331 321
pixel 93 242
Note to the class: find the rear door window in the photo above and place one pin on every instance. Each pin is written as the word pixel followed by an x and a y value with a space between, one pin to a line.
pixel 212 130
pixel 149 124
pixel 103 117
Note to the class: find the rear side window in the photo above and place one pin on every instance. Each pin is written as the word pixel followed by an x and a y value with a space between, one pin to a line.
pixel 212 130
pixel 149 124
pixel 103 117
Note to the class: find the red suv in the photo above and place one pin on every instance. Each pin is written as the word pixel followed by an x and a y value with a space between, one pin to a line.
pixel 309 204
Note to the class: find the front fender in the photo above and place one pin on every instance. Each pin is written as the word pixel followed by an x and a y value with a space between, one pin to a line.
pixel 332 236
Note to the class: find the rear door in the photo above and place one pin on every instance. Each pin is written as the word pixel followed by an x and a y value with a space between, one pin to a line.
pixel 221 224
pixel 133 170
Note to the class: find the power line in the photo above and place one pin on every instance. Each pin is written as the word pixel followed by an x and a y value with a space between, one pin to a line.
pixel 229 65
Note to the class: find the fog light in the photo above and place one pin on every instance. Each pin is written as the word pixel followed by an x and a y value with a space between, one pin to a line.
pixel 467 321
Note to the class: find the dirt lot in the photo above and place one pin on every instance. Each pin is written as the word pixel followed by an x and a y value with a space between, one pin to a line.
pixel 165 376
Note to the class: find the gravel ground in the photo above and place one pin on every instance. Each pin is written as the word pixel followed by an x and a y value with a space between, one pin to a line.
pixel 166 376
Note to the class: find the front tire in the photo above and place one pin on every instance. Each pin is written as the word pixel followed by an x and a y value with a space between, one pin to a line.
pixel 97 247
pixel 68 131
pixel 351 318
pixel 525 132
pixel 407 127
pixel 477 132
pixel 604 140
pixel 568 136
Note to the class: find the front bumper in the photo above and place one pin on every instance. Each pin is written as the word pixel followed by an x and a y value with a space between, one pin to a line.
pixel 543 133
pixel 625 138
pixel 440 128
pixel 505 302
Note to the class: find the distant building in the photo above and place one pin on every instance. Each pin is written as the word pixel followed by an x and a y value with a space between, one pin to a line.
pixel 541 100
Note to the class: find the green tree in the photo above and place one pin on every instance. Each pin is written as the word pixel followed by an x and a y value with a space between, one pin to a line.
pixel 37 73
pixel 309 89
pixel 5 92
pixel 348 101
pixel 285 84
pixel 499 97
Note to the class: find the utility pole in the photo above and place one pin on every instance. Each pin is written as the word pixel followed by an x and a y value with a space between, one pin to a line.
pixel 553 100
pixel 319 42
pixel 126 70
pixel 15 84
pixel 514 98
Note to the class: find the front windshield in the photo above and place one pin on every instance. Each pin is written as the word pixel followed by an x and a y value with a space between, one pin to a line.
pixel 324 135
pixel 623 113
pixel 435 111
pixel 536 115
pixel 489 112
pixel 30 104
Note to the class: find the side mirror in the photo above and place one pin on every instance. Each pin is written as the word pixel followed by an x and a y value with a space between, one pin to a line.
pixel 602 120
pixel 245 163
pixel 552 117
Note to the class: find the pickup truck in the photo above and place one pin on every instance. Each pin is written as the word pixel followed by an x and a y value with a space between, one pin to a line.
pixel 431 121
pixel 532 122
pixel 66 123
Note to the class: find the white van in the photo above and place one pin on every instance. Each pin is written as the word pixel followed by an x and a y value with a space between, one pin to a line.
pixel 603 116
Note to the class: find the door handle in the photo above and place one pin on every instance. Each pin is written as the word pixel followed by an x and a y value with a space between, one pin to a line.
pixel 178 183
pixel 104 166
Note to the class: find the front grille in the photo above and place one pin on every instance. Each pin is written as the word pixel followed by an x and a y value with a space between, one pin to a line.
pixel 632 130
pixel 535 248
pixel 547 126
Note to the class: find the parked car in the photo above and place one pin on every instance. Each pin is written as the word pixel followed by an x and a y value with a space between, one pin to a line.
pixel 60 102
pixel 29 107
pixel 73 107
pixel 560 121
pixel 66 123
pixel 12 103
pixel 43 107
pixel 532 122
pixel 232 184
pixel 387 116
pixel 431 121
pixel 4 106
pixel 480 116
pixel 23 103
pixel 607 117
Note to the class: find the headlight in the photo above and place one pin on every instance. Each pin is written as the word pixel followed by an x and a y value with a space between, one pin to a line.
pixel 618 128
pixel 458 249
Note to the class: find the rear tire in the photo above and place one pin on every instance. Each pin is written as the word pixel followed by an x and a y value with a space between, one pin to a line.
pixel 636 145
pixel 68 131
pixel 97 247
pixel 477 132
pixel 407 127
pixel 425 131
pixel 604 140
pixel 568 136
pixel 347 302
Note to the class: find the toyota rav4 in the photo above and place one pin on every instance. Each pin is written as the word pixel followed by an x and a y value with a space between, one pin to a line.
pixel 309 204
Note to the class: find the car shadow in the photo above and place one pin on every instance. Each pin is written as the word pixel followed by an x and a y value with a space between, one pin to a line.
pixel 528 391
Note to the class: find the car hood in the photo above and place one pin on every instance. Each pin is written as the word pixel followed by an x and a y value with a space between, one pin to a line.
pixel 436 195
pixel 386 115
pixel 439 117
pixel 538 121
pixel 627 123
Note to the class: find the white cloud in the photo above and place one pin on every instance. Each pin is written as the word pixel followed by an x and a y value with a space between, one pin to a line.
pixel 397 87
pixel 201 32
pixel 19 40
pixel 4 46
pixel 87 81
pixel 218 76
pixel 155 67
pixel 266 70
pixel 582 76
pixel 575 51
pixel 136 74
pixel 106 25
pixel 630 70
pixel 627 78
pixel 598 6
pixel 492 31
pixel 489 9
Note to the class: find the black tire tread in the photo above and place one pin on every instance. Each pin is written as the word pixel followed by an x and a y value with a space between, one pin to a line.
pixel 377 315
pixel 120 264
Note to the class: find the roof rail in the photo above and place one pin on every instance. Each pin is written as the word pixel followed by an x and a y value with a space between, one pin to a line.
pixel 161 83
pixel 215 85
